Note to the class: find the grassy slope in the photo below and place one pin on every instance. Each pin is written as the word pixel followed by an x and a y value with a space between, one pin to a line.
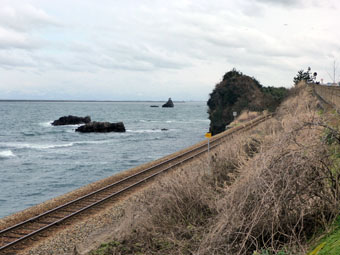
pixel 329 243
pixel 268 194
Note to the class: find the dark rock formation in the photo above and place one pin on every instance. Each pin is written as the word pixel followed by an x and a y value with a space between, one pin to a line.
pixel 238 92
pixel 71 120
pixel 101 127
pixel 169 103
pixel 164 129
pixel 154 106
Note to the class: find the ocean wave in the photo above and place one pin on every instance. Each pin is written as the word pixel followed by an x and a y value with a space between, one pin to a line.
pixel 46 124
pixel 49 124
pixel 93 142
pixel 35 146
pixel 185 121
pixel 28 134
pixel 72 125
pixel 144 131
pixel 146 121
pixel 6 154
pixel 149 130
pixel 158 121
pixel 174 121
pixel 202 120
pixel 50 146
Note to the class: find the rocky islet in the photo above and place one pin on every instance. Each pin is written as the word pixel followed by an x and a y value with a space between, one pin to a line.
pixel 168 104
pixel 101 127
pixel 71 120
pixel 90 126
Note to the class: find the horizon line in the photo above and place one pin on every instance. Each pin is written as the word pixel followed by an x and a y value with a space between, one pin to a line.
pixel 93 101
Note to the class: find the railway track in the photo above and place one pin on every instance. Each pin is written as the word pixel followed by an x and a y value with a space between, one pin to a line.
pixel 22 235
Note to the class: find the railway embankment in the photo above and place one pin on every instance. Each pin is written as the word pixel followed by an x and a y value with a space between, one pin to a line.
pixel 40 217
pixel 270 191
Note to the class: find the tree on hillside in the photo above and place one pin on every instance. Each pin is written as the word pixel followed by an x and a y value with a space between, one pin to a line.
pixel 274 96
pixel 303 76
pixel 238 92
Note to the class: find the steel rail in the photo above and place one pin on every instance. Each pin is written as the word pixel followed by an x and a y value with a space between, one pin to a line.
pixel 201 147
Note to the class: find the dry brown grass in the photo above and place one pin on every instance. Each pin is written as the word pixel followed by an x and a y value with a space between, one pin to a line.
pixel 247 115
pixel 283 194
pixel 271 188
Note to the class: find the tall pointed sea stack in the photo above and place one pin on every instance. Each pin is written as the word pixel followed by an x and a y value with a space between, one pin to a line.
pixel 169 103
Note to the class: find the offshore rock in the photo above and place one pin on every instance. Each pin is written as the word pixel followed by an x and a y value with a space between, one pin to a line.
pixel 71 120
pixel 101 127
pixel 169 103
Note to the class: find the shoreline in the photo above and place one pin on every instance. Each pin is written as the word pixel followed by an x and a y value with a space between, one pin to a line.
pixel 93 101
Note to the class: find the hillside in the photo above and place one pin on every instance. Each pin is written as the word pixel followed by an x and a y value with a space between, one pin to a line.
pixel 238 92
pixel 268 191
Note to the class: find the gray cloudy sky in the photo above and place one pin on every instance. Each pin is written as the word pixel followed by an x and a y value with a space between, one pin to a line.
pixel 154 49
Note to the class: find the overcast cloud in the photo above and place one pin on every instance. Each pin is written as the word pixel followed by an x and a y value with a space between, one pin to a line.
pixel 152 50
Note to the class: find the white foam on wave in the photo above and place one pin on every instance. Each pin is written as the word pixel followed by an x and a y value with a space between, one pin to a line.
pixel 73 125
pixel 6 154
pixel 93 142
pixel 149 130
pixel 49 124
pixel 144 131
pixel 46 124
pixel 50 146
pixel 36 146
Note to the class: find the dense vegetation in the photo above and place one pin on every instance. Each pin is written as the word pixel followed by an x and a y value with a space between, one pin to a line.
pixel 304 76
pixel 238 92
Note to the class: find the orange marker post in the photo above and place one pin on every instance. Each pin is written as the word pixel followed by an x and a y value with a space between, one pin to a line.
pixel 208 135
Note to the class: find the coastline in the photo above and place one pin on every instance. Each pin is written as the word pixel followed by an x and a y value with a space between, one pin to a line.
pixel 93 101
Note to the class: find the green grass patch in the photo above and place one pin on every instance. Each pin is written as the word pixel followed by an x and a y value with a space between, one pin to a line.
pixel 105 248
pixel 320 111
pixel 330 243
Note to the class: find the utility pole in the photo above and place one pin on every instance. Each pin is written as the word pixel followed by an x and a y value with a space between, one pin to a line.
pixel 333 77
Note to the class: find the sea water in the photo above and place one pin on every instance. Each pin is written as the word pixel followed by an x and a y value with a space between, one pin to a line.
pixel 39 161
